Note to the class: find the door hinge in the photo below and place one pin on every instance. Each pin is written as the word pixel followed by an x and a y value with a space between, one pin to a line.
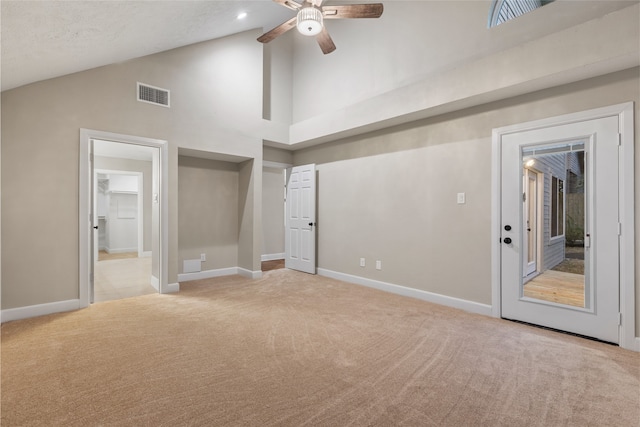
pixel 619 229
pixel 619 140
pixel 91 157
pixel 619 319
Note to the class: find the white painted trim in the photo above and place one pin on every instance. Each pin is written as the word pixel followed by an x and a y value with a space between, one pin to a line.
pixel 171 287
pixel 120 250
pixel 250 274
pixel 155 283
pixel 230 271
pixel 272 257
pixel 466 305
pixel 85 202
pixel 626 158
pixel 496 247
pixel 146 254
pixel 207 274
pixel 624 111
pixel 10 314
pixel 275 165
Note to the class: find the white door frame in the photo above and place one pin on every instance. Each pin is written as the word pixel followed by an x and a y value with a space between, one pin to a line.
pixel 624 112
pixel 85 206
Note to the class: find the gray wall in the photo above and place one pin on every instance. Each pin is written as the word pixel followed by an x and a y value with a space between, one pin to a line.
pixel 391 195
pixel 272 211
pixel 216 106
pixel 208 212
pixel 130 165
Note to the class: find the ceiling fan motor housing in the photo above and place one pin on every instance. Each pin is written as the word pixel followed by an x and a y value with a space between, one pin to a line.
pixel 309 21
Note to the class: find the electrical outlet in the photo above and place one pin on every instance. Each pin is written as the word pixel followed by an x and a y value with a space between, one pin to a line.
pixel 362 262
pixel 203 257
pixel 378 265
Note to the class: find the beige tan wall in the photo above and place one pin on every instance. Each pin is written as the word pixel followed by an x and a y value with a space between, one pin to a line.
pixel 208 212
pixel 391 195
pixel 250 215
pixel 272 211
pixel 130 165
pixel 277 155
pixel 216 102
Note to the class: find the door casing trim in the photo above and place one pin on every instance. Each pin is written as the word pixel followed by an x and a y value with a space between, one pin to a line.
pixel 85 202
pixel 624 112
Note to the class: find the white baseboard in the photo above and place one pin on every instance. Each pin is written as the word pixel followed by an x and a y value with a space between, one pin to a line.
pixel 172 287
pixel 207 274
pixel 466 305
pixel 272 257
pixel 10 314
pixel 121 250
pixel 146 254
pixel 250 274
pixel 155 283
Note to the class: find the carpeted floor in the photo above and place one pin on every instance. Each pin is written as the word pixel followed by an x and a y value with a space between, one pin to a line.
pixel 293 349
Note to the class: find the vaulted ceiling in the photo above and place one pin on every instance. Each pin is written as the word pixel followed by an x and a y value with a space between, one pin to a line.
pixel 46 39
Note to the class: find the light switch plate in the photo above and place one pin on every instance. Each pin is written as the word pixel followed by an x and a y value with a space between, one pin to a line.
pixel 461 198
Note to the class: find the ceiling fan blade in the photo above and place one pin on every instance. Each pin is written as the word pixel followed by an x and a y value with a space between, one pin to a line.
pixel 293 5
pixel 372 10
pixel 277 31
pixel 325 42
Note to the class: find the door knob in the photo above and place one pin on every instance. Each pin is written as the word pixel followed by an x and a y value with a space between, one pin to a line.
pixel 95 226
pixel 311 224
pixel 507 227
pixel 507 240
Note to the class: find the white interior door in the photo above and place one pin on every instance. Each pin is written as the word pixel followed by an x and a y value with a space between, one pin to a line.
pixel 300 219
pixel 598 140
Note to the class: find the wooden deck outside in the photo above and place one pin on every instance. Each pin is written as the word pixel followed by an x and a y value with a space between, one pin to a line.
pixel 558 287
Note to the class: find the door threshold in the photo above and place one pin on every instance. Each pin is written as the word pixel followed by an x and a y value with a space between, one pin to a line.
pixel 562 332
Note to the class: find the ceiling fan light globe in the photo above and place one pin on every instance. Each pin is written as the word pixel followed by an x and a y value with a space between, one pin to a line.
pixel 309 21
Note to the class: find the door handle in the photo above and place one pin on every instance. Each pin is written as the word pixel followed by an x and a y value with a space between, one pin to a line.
pixel 311 224
pixel 95 226
pixel 507 240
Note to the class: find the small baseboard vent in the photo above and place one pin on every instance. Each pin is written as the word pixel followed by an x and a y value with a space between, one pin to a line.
pixel 153 95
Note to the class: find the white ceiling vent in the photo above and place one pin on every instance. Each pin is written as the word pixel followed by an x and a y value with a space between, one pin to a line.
pixel 153 95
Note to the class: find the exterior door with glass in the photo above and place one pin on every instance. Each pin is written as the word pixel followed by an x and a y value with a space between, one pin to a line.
pixel 577 288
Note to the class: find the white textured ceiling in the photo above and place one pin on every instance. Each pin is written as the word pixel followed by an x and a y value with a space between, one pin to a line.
pixel 46 39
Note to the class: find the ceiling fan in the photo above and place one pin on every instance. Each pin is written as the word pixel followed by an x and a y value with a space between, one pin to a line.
pixel 310 16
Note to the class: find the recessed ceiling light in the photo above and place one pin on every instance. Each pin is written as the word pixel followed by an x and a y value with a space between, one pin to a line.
pixel 242 15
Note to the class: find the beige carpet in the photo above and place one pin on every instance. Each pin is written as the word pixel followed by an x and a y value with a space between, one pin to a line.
pixel 293 349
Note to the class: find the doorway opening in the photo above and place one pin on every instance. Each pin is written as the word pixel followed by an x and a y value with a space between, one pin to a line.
pixel 123 197
pixel 587 230
pixel 122 241
pixel 554 258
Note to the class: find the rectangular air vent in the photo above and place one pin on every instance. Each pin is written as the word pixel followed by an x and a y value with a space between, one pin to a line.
pixel 153 95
